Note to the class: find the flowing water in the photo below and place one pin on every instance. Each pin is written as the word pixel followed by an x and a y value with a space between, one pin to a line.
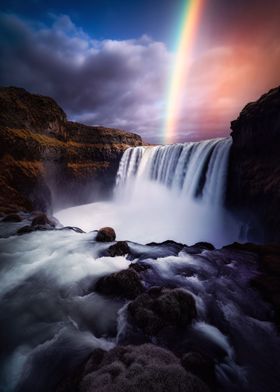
pixel 173 192
pixel 51 318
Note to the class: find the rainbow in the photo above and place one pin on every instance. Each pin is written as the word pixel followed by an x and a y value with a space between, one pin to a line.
pixel 187 32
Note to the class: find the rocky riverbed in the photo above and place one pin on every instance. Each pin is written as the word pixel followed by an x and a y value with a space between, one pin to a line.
pixel 83 311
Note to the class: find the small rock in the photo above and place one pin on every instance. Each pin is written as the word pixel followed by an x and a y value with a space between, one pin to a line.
pixel 106 234
pixel 125 284
pixel 12 218
pixel 121 248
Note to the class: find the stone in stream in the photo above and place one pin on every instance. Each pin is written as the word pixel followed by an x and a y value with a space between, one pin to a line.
pixel 161 307
pixel 139 267
pixel 120 248
pixel 106 234
pixel 43 220
pixel 125 284
pixel 40 222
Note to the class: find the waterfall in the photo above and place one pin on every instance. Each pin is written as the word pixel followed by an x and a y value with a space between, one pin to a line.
pixel 192 170
pixel 174 192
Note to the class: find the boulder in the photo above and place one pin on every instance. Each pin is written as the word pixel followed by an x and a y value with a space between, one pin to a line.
pixel 125 284
pixel 135 368
pixel 160 307
pixel 106 234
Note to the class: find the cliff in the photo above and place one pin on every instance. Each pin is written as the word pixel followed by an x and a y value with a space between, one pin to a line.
pixel 254 170
pixel 47 159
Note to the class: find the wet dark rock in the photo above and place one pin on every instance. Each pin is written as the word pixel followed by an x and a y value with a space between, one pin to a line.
pixel 136 368
pixel 168 244
pixel 173 248
pixel 125 284
pixel 204 246
pixel 139 267
pixel 247 247
pixel 200 365
pixel 29 229
pixel 160 307
pixel 42 220
pixel 12 218
pixel 25 230
pixel 121 248
pixel 73 228
pixel 106 234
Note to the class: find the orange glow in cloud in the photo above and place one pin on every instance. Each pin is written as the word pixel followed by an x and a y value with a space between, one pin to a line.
pixel 230 69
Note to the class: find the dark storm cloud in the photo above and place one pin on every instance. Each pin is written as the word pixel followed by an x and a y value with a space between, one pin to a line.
pixel 110 82
pixel 123 83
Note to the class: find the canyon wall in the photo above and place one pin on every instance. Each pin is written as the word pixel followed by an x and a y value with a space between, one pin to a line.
pixel 47 160
pixel 254 170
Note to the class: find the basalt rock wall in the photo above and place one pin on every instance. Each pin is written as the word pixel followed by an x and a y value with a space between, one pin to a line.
pixel 254 168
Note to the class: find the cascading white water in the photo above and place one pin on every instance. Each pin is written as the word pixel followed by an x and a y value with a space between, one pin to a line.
pixel 174 192
pixel 193 170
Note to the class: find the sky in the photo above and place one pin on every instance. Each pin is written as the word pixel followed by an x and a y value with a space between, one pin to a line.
pixel 109 62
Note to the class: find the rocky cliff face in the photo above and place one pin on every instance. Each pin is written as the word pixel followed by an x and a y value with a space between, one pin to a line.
pixel 47 159
pixel 254 171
